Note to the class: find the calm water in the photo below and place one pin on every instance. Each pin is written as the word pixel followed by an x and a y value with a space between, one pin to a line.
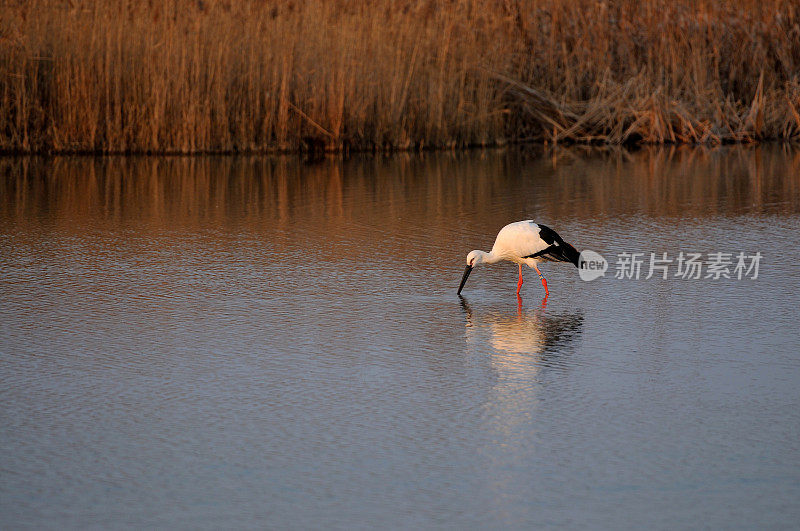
pixel 253 342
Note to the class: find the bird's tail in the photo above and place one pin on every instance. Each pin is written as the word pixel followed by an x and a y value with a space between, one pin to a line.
pixel 569 253
pixel 563 252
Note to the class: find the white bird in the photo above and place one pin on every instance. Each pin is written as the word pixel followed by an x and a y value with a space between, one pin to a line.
pixel 524 242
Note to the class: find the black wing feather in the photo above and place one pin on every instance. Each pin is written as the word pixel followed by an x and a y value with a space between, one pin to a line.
pixel 558 250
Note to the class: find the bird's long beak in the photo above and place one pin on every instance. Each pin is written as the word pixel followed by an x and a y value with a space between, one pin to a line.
pixel 467 271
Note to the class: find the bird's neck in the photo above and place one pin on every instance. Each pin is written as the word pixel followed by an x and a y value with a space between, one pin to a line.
pixel 490 257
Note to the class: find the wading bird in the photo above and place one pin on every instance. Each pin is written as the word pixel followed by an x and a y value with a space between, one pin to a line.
pixel 524 242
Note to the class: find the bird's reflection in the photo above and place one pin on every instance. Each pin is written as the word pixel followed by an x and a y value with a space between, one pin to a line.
pixel 527 352
pixel 543 338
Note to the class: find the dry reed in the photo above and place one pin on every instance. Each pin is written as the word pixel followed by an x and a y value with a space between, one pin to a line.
pixel 217 75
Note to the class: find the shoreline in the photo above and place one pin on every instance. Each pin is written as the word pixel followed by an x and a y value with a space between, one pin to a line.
pixel 544 146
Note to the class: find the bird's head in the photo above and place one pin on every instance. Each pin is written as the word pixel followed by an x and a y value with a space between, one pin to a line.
pixel 474 258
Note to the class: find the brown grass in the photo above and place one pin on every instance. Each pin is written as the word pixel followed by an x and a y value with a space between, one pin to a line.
pixel 204 75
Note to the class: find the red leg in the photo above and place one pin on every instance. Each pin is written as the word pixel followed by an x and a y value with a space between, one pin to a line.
pixel 519 283
pixel 544 282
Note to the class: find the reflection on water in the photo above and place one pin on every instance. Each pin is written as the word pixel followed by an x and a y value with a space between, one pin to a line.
pixel 521 346
pixel 530 333
pixel 253 341
pixel 259 191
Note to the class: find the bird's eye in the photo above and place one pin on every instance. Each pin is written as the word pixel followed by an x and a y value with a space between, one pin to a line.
pixel 472 261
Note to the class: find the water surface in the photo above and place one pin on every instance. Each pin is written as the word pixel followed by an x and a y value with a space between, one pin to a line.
pixel 256 342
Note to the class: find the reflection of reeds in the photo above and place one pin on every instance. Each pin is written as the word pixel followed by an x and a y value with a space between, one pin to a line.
pixel 430 193
pixel 213 75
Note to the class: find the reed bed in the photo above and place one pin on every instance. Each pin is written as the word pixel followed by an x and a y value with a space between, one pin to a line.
pixel 181 76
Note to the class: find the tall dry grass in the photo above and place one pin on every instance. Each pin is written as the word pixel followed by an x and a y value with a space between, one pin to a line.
pixel 220 75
